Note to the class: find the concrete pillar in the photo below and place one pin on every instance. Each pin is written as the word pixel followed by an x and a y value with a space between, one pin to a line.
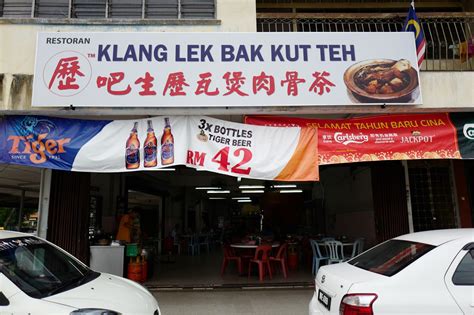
pixel 408 196
pixel 43 204
pixel 20 211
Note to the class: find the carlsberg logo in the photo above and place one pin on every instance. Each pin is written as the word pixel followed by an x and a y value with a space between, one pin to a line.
pixel 468 131
pixel 347 138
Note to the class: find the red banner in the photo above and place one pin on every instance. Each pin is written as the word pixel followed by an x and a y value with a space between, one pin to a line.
pixel 377 138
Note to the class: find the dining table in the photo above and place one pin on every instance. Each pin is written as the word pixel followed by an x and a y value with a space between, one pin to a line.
pixel 252 246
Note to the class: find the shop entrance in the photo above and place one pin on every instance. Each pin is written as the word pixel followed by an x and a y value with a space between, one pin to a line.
pixel 188 216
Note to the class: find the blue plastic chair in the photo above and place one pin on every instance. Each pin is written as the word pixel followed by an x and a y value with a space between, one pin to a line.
pixel 317 256
pixel 204 241
pixel 193 245
pixel 336 251
pixel 358 247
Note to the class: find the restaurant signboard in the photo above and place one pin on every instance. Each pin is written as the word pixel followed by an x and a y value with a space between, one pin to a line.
pixel 204 143
pixel 225 69
pixel 386 137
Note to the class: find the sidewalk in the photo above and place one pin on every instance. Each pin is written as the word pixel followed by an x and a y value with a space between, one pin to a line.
pixel 230 302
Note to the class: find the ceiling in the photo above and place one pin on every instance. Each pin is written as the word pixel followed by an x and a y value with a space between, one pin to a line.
pixel 13 180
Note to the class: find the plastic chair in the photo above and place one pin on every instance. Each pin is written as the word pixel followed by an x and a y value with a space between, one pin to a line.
pixel 261 258
pixel 229 255
pixel 193 245
pixel 358 247
pixel 336 253
pixel 176 243
pixel 317 256
pixel 168 249
pixel 281 258
pixel 204 241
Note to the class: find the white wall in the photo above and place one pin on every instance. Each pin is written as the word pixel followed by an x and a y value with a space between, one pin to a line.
pixel 441 90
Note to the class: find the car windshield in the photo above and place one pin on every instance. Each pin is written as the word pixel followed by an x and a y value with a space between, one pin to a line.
pixel 390 257
pixel 40 269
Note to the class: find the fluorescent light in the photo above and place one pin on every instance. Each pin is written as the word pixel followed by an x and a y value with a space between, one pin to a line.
pixel 244 200
pixel 208 188
pixel 218 191
pixel 252 191
pixel 251 187
pixel 284 186
pixel 237 198
pixel 165 169
pixel 216 198
pixel 291 191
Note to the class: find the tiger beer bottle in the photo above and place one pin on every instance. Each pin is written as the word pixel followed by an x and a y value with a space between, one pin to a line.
pixel 150 146
pixel 132 155
pixel 167 144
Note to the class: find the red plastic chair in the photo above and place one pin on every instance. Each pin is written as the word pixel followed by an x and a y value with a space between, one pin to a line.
pixel 229 255
pixel 281 258
pixel 261 258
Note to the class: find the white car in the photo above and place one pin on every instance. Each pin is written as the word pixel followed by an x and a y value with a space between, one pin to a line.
pixel 38 277
pixel 428 272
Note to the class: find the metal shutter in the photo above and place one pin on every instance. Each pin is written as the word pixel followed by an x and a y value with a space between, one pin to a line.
pixel 86 9
pixel 17 8
pixel 131 9
pixel 197 9
pixel 52 8
pixel 162 9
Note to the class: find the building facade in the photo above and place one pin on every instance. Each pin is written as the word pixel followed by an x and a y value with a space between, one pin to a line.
pixel 388 199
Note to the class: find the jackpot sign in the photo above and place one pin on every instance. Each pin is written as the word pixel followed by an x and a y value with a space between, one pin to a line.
pixel 225 69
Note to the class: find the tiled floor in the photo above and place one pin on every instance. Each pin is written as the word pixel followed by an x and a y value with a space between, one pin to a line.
pixel 204 270
pixel 232 302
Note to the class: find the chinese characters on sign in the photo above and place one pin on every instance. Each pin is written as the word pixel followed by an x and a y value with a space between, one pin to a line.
pixel 115 83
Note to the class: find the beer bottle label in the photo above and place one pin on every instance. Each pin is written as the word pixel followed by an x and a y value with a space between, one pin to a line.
pixel 167 151
pixel 133 155
pixel 150 152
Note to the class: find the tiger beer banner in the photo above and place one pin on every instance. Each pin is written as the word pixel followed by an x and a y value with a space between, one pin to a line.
pixel 389 137
pixel 284 154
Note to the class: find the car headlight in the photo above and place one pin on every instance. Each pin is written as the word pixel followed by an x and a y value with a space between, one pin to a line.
pixel 93 311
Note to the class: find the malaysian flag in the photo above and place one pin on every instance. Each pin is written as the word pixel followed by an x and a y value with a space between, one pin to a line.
pixel 412 24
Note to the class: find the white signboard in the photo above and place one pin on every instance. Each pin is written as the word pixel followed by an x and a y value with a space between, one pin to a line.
pixel 225 69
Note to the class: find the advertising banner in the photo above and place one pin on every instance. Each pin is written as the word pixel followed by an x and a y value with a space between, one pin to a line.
pixel 389 137
pixel 464 123
pixel 225 69
pixel 284 154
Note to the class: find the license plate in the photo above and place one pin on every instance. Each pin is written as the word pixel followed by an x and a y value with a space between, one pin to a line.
pixel 324 299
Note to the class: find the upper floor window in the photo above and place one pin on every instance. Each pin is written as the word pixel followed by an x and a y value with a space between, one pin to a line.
pixel 119 9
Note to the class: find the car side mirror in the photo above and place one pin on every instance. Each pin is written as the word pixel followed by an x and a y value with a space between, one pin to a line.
pixel 3 300
pixel 471 252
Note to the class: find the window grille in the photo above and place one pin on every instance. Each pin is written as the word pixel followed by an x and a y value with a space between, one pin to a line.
pixel 115 9
pixel 449 37
pixel 431 191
